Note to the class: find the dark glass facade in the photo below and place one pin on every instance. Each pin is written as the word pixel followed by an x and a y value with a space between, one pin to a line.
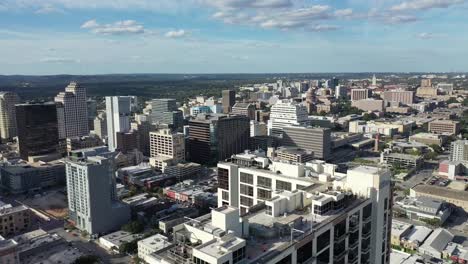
pixel 37 129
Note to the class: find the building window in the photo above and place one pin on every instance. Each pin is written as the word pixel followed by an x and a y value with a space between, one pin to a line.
pixel 246 201
pixel 304 253
pixel 225 195
pixel 238 255
pixel 246 178
pixel 246 190
pixel 263 194
pixel 223 178
pixel 282 185
pixel 199 261
pixel 264 182
pixel 269 210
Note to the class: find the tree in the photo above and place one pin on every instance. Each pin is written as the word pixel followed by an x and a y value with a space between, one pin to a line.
pixel 87 259
pixel 452 100
pixel 369 116
pixel 134 227
pixel 129 247
pixel 437 149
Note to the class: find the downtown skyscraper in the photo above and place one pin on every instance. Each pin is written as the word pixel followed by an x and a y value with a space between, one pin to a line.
pixel 72 111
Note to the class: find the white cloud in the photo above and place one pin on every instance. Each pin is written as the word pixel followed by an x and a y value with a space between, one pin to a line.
pixel 241 58
pixel 49 9
pixel 59 60
pixel 242 4
pixel 117 28
pixel 425 4
pixel 399 19
pixel 177 33
pixel 90 24
pixel 322 28
pixel 428 35
pixel 343 13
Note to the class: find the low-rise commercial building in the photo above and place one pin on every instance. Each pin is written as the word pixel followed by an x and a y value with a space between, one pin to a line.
pixel 449 127
pixel 401 160
pixel 429 138
pixel 425 208
pixel 455 197
pixel 14 219
pixel 113 241
pixel 25 177
pixel 369 105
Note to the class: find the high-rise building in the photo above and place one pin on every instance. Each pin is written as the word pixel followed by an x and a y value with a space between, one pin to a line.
pixel 285 113
pixel 244 109
pixel 374 80
pixel 143 129
pixel 426 82
pixel 399 96
pixel 92 112
pixel 127 141
pixel 72 111
pixel 165 111
pixel 229 99
pixel 166 147
pixel 118 118
pixel 100 125
pixel 333 83
pixel 340 92
pixel 315 139
pixel 459 150
pixel 92 199
pixel 359 94
pixel 348 219
pixel 8 115
pixel 217 137
pixel 37 129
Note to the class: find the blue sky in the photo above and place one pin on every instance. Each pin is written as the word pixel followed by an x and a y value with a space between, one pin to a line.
pixel 238 36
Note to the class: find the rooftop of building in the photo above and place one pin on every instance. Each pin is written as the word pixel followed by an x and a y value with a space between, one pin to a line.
pixel 120 237
pixel 7 209
pixel 441 192
pixel 403 156
pixel 242 105
pixel 427 135
pixel 418 234
pixel 155 242
pixel 421 202
pixel 399 228
pixel 219 247
pixel 438 240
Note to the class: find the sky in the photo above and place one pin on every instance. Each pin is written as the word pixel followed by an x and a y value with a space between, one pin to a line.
pixel 42 37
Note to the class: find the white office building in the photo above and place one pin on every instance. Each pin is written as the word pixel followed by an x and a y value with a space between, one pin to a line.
pixel 72 111
pixel 8 115
pixel 459 150
pixel 92 199
pixel 286 113
pixel 118 111
pixel 166 148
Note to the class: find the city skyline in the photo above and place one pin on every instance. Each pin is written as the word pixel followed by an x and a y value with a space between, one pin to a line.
pixel 231 36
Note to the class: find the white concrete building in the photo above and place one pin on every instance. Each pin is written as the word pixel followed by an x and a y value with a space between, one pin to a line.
pixel 166 146
pixel 72 111
pixel 250 181
pixel 118 111
pixel 92 198
pixel 150 245
pixel 286 113
pixel 459 150
pixel 8 115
